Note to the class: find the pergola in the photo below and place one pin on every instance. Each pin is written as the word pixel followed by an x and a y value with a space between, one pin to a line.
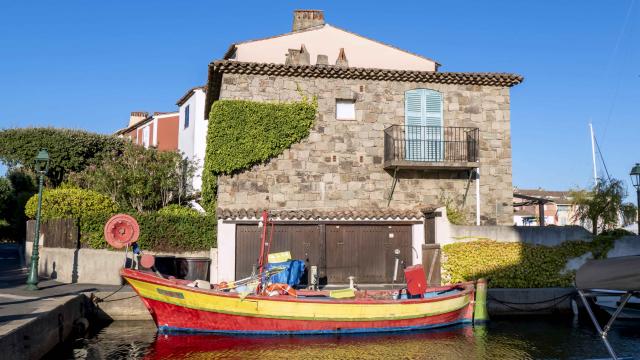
pixel 531 200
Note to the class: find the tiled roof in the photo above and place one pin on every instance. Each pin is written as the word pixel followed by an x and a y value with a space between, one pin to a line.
pixel 217 68
pixel 144 121
pixel 319 215
pixel 330 71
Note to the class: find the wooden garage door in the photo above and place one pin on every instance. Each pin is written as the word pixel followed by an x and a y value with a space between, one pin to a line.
pixel 304 242
pixel 366 252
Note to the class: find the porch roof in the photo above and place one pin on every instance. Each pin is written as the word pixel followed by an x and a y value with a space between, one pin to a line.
pixel 326 214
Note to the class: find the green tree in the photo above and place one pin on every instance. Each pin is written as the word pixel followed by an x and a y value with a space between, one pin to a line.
pixel 140 179
pixel 15 190
pixel 601 206
pixel 69 150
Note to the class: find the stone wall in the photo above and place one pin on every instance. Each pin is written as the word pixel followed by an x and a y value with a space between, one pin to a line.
pixel 95 266
pixel 340 164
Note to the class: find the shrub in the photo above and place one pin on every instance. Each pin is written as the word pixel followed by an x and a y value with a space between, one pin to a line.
pixel 172 229
pixel 175 209
pixel 69 150
pixel 91 210
pixel 245 133
pixel 518 265
pixel 184 230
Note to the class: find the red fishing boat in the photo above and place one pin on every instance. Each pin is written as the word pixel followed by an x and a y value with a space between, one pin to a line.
pixel 175 306
pixel 182 305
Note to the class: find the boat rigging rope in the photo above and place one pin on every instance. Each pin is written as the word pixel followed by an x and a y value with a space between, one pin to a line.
pixel 97 299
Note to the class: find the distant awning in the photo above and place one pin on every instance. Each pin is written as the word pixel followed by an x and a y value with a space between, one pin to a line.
pixel 619 273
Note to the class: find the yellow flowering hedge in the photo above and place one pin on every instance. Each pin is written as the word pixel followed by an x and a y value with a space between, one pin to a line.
pixel 518 265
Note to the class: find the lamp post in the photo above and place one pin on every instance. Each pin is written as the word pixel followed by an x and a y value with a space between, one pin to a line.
pixel 635 180
pixel 42 166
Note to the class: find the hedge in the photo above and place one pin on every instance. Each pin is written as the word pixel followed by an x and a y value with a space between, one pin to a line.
pixel 518 265
pixel 69 150
pixel 245 133
pixel 170 229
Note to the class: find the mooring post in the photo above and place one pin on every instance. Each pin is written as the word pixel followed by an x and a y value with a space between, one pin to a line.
pixel 480 313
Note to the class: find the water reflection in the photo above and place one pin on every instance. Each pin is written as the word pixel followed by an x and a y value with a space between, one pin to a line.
pixel 526 338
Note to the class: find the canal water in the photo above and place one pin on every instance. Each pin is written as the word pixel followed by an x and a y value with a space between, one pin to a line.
pixel 513 338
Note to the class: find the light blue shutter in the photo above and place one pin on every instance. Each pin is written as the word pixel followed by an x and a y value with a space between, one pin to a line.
pixel 423 125
pixel 414 116
pixel 434 145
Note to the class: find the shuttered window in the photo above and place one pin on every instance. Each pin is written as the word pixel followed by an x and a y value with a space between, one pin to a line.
pixel 423 125
pixel 186 117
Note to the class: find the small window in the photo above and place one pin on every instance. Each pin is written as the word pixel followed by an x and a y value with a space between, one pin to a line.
pixel 186 117
pixel 345 109
pixel 145 136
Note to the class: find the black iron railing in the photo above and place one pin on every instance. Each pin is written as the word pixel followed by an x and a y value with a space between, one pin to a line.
pixel 431 143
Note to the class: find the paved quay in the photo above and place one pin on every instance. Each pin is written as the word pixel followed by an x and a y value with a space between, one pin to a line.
pixel 34 322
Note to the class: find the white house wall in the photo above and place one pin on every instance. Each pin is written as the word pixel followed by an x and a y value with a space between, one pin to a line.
pixel 192 140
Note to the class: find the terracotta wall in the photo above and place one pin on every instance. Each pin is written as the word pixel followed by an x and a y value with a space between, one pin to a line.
pixel 168 133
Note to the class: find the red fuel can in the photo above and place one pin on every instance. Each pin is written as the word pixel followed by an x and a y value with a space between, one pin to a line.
pixel 416 280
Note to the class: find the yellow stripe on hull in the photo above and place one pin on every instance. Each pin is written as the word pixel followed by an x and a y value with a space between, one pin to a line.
pixel 298 310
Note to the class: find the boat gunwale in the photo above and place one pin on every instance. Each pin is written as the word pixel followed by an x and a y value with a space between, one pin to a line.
pixel 466 289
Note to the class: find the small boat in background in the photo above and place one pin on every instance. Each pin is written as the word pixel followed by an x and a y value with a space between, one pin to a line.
pixel 613 283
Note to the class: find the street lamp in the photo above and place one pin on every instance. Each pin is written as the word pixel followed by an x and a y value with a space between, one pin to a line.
pixel 42 166
pixel 635 180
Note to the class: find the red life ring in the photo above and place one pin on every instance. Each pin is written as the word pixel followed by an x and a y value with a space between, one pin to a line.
pixel 121 230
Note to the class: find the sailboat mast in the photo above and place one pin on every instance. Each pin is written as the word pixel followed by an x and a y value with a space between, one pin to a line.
pixel 593 154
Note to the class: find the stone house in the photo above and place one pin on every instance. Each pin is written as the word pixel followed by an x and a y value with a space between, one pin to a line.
pixel 394 138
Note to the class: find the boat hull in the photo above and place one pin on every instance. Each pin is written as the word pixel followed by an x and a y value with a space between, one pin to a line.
pixel 176 307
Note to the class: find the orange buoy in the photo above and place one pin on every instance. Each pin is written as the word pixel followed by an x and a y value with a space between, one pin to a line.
pixel 147 261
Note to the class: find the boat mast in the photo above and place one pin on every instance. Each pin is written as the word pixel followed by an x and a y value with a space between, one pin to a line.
pixel 593 154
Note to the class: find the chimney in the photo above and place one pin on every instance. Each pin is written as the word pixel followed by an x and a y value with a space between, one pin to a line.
pixel 342 59
pixel 304 19
pixel 322 60
pixel 137 116
pixel 298 57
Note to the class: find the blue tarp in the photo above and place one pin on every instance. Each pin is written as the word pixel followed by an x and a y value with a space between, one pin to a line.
pixel 291 275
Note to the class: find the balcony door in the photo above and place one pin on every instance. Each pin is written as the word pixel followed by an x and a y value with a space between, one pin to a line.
pixel 424 134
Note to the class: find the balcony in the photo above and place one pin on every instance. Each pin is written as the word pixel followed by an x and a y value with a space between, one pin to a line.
pixel 431 147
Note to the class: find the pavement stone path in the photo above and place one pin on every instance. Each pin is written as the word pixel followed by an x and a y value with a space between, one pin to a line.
pixel 18 304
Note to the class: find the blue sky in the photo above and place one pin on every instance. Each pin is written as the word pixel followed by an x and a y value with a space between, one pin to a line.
pixel 87 64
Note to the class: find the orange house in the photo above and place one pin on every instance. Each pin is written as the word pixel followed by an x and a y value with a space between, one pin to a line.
pixel 159 130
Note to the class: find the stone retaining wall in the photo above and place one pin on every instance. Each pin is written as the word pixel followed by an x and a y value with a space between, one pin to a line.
pixel 93 266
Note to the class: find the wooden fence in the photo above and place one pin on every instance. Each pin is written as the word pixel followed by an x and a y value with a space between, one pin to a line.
pixel 58 233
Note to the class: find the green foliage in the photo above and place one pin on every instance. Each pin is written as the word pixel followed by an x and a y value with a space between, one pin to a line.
pixel 245 133
pixel 629 213
pixel 21 186
pixel 518 265
pixel 6 195
pixel 601 205
pixel 139 179
pixel 175 209
pixel 182 230
pixel 171 229
pixel 456 214
pixel 91 210
pixel 69 150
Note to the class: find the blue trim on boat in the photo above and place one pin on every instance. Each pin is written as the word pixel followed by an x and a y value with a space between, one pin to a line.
pixel 168 329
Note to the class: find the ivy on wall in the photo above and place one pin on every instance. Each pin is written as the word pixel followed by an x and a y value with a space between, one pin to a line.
pixel 244 133
pixel 518 265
